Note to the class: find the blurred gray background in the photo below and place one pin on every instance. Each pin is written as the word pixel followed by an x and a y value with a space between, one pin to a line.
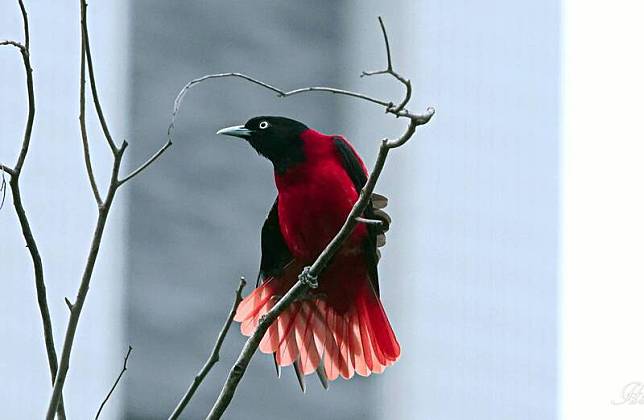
pixel 210 196
pixel 468 275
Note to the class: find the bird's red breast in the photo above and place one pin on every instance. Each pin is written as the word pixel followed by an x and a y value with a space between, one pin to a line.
pixel 314 199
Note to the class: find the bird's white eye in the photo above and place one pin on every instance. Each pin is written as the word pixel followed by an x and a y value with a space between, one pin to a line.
pixel 263 125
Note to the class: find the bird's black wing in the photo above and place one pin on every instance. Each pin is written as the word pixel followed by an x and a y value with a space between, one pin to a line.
pixel 275 257
pixel 375 237
pixel 275 253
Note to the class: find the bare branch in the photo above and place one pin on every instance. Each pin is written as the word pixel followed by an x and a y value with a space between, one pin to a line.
pixel 8 170
pixel 389 66
pixel 92 80
pixel 83 289
pixel 339 92
pixel 398 110
pixel 147 163
pixel 103 212
pixel 14 44
pixel 14 183
pixel 309 276
pixel 280 93
pixel 214 355
pixel 83 128
pixel 31 106
pixel 25 22
pixel 41 288
pixel 390 70
pixel 109 394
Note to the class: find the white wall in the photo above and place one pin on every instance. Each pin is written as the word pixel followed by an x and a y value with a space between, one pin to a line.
pixel 58 200
pixel 469 274
pixel 603 208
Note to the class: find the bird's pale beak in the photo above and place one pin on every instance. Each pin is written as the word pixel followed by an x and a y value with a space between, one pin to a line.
pixel 236 131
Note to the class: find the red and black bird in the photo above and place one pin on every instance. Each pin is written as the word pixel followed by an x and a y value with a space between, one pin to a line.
pixel 340 328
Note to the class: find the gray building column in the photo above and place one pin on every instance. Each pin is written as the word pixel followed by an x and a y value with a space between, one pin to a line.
pixel 194 220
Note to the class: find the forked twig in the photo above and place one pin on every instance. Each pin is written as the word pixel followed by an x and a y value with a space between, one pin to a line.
pixel 280 93
pixel 214 355
pixel 81 118
pixel 147 163
pixel 92 79
pixel 14 183
pixel 390 70
pixel 75 308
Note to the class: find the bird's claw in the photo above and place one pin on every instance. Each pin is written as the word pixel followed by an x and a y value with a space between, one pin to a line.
pixel 308 279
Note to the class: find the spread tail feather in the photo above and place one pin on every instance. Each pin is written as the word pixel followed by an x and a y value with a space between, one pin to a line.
pixel 314 337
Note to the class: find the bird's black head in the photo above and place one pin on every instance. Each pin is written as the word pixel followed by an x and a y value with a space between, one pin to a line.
pixel 276 138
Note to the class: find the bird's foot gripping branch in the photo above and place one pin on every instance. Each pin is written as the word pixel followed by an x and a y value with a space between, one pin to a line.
pixel 309 277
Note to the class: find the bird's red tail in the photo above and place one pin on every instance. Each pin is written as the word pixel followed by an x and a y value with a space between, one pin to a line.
pixel 312 334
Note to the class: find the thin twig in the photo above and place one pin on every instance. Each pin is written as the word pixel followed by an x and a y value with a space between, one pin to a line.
pixel 390 67
pixel 83 128
pixel 390 70
pixel 214 355
pixel 32 109
pixel 398 110
pixel 14 183
pixel 41 288
pixel 14 44
pixel 7 170
pixel 308 277
pixel 25 22
pixel 147 163
pixel 109 394
pixel 92 80
pixel 280 93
